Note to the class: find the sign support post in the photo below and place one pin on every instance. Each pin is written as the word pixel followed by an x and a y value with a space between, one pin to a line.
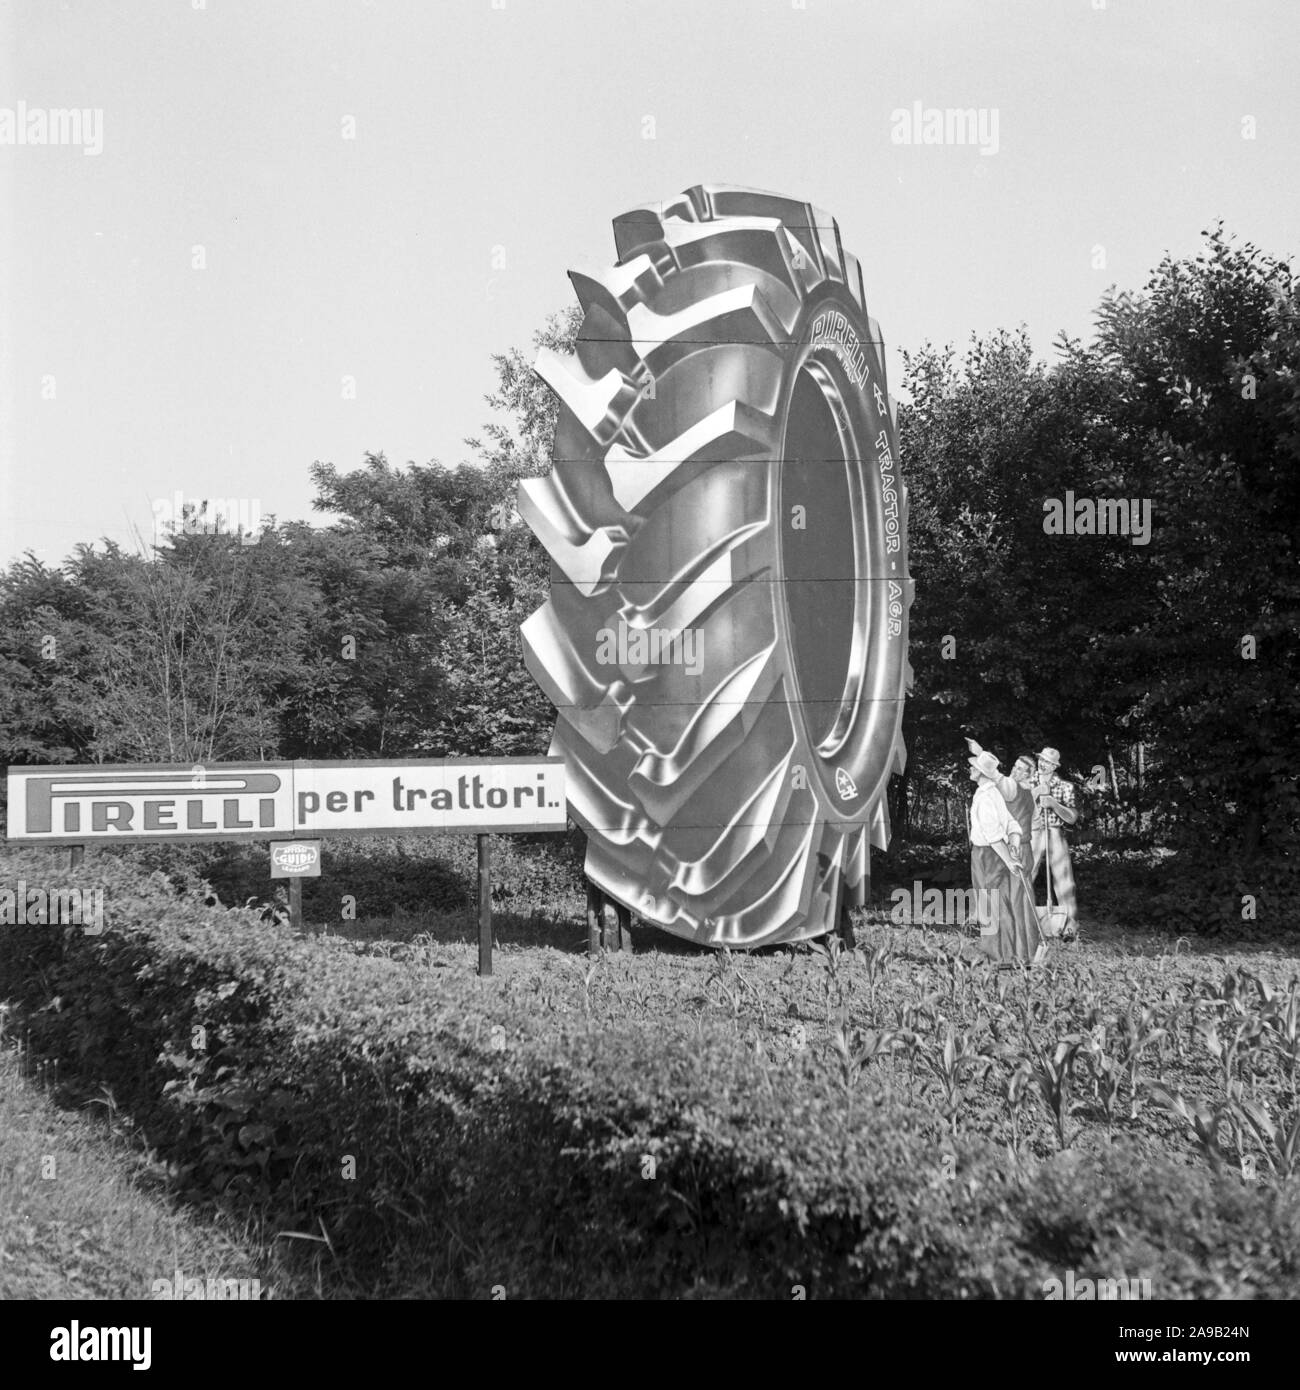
pixel 295 860
pixel 484 906
pixel 595 920
pixel 76 853
pixel 600 934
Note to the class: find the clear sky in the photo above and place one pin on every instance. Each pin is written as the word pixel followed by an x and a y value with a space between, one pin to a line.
pixel 492 143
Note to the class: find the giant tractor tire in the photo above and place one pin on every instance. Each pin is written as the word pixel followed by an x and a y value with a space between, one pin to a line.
pixel 725 640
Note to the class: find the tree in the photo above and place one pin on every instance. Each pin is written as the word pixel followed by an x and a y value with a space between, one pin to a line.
pixel 117 658
pixel 520 441
pixel 45 632
pixel 1203 369
pixel 478 574
pixel 1004 637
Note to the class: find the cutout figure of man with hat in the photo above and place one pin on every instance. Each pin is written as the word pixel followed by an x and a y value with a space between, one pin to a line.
pixel 1054 800
pixel 1018 792
pixel 1008 922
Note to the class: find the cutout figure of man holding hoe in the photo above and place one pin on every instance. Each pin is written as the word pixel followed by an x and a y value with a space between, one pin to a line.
pixel 1054 799
pixel 1036 797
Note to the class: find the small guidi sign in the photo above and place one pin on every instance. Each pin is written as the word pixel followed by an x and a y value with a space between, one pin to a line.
pixel 295 859
pixel 285 801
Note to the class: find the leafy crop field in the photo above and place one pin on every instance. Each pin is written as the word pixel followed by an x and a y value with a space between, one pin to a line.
pixel 1183 1052
pixel 883 1122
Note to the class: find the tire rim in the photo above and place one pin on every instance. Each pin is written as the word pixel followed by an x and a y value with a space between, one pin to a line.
pixel 829 420
pixel 832 434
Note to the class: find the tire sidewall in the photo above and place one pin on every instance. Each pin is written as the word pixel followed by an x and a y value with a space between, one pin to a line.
pixel 840 348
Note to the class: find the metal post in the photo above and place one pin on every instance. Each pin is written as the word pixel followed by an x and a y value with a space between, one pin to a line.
pixel 76 853
pixel 295 903
pixel 624 927
pixel 844 925
pixel 595 919
pixel 484 907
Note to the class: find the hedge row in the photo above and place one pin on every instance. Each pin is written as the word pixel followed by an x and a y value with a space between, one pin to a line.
pixel 452 1138
pixel 382 874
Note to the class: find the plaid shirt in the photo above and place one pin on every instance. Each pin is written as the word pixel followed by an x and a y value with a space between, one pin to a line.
pixel 1064 793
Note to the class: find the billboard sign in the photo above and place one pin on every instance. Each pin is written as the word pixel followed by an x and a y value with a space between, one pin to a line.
pixel 98 803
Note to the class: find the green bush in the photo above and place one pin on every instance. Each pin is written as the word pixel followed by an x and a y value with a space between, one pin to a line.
pixel 1212 896
pixel 449 1135
pixel 381 874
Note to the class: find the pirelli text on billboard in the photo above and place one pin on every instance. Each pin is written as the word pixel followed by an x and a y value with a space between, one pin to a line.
pixel 265 801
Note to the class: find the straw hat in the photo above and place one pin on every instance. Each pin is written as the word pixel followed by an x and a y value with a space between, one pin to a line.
pixel 1050 755
pixel 985 763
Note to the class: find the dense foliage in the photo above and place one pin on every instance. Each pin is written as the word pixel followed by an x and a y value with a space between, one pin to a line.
pixel 573 1130
pixel 1189 399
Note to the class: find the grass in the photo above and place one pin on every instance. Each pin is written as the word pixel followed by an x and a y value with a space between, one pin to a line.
pixel 85 1215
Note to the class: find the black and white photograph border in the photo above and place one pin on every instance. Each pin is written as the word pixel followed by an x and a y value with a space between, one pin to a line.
pixel 649 651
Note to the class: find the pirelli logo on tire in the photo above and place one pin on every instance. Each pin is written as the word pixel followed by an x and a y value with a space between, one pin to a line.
pixel 725 640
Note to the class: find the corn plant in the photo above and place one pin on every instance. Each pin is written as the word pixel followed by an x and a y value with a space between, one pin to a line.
pixel 1113 1045
pixel 1039 990
pixel 1107 1072
pixel 877 963
pixel 723 982
pixel 1249 1039
pixel 1242 1033
pixel 1230 995
pixel 1205 1120
pixel 1053 1077
pixel 1035 1012
pixel 911 1018
pixel 1282 1020
pixel 1280 1140
pixel 1138 1029
pixel 1175 1010
pixel 588 975
pixel 913 1015
pixel 854 1051
pixel 836 982
pixel 1017 1092
pixel 958 970
pixel 958 1060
